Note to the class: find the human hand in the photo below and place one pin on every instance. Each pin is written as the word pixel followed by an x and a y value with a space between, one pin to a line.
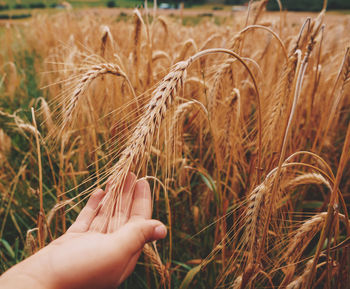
pixel 86 258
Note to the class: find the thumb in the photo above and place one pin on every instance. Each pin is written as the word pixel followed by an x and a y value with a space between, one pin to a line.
pixel 137 232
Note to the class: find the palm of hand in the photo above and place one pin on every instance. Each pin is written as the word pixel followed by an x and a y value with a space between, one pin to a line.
pixel 90 256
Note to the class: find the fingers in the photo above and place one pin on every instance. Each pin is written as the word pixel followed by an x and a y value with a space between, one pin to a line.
pixel 88 213
pixel 100 222
pixel 123 204
pixel 106 221
pixel 137 232
pixel 134 203
pixel 142 202
pixel 125 198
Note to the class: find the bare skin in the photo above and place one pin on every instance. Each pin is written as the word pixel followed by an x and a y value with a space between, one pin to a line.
pixel 86 258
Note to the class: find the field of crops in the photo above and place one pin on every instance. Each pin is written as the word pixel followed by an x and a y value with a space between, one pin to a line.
pixel 75 3
pixel 240 124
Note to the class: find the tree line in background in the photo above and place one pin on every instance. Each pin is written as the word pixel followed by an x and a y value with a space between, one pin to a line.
pixel 291 5
pixel 309 5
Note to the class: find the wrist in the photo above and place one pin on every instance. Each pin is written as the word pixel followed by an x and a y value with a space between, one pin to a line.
pixel 16 279
pixel 28 274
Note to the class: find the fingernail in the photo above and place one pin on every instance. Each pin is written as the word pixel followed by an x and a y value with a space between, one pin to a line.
pixel 160 231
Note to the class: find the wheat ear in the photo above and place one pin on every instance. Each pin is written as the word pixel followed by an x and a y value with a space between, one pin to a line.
pixel 159 54
pixel 298 84
pixel 255 217
pixel 214 95
pixel 105 36
pixel 185 48
pixel 47 115
pixel 138 22
pixel 300 281
pixel 155 260
pixel 164 24
pixel 140 141
pixel 133 156
pixel 309 178
pixel 304 235
pixel 237 283
pixel 259 7
pixel 232 117
pixel 84 82
pixel 277 108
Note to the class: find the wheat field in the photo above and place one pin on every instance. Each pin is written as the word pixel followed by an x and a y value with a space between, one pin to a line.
pixel 240 124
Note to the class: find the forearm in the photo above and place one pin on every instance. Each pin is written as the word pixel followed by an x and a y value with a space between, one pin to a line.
pixel 29 274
